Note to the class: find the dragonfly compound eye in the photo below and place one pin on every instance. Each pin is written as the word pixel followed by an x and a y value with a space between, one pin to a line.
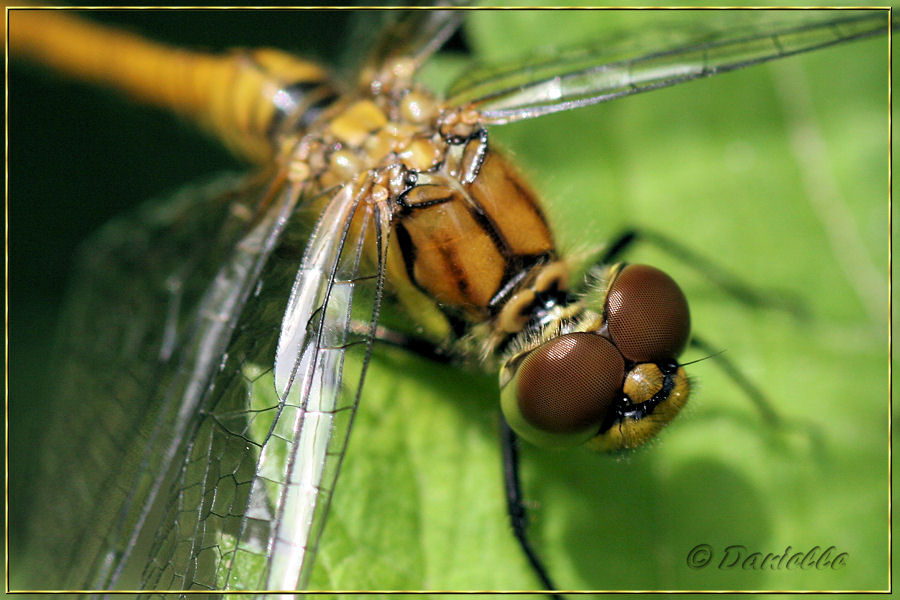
pixel 563 390
pixel 647 314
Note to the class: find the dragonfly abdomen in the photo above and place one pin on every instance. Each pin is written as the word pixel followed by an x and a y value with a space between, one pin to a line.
pixel 243 97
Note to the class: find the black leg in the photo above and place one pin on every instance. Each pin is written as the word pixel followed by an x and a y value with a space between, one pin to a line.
pixel 416 345
pixel 515 507
pixel 618 247
pixel 770 415
pixel 741 291
pixel 509 445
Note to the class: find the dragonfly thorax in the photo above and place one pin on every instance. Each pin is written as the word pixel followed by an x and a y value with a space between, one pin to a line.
pixel 469 244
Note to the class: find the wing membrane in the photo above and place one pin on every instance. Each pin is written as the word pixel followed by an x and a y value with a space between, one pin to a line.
pixel 589 75
pixel 212 440
pixel 308 373
pixel 137 297
pixel 192 472
pixel 414 34
pixel 249 497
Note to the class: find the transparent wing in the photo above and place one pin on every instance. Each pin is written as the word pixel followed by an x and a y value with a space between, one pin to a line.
pixel 155 301
pixel 589 75
pixel 316 332
pixel 189 470
pixel 195 469
pixel 416 35
pixel 375 37
pixel 250 493
pixel 201 386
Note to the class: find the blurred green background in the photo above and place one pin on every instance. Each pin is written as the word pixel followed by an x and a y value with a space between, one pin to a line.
pixel 777 173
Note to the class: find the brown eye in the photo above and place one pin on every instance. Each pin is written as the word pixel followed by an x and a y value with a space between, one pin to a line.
pixel 647 314
pixel 563 390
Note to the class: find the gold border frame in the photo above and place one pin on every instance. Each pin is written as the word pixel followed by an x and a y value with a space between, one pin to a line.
pixel 453 592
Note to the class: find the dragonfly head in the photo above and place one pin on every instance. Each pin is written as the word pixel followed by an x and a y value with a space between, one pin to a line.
pixel 612 380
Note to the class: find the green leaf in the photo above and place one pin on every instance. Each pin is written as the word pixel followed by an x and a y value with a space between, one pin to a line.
pixel 792 201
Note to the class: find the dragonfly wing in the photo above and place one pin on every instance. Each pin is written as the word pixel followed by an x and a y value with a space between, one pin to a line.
pixel 592 74
pixel 319 403
pixel 251 490
pixel 202 396
pixel 409 34
pixel 132 308
pixel 417 35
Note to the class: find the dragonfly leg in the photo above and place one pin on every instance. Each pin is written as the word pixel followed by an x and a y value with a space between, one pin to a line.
pixel 808 429
pixel 515 506
pixel 419 346
pixel 743 292
pixel 750 389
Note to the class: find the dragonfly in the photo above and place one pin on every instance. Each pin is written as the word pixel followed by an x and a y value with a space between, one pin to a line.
pixel 198 191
